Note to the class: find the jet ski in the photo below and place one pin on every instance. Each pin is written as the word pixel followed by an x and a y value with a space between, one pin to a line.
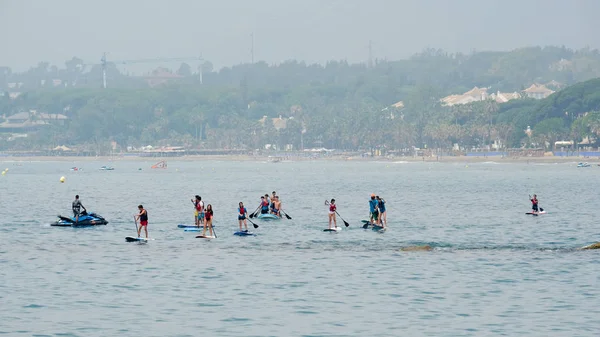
pixel 84 220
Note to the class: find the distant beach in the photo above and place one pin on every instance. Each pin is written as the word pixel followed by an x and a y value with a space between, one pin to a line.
pixel 279 158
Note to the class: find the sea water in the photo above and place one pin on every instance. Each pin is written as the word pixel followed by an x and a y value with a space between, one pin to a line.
pixel 493 269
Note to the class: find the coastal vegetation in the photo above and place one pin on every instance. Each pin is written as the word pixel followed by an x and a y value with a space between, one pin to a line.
pixel 386 105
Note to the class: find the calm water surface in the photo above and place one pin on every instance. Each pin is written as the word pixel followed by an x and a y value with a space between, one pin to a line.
pixel 494 270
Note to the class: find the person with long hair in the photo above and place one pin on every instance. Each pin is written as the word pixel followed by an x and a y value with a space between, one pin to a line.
pixel 242 213
pixel 208 219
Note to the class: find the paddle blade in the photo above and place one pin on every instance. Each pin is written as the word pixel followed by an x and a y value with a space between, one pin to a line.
pixel 365 226
pixel 346 223
pixel 255 225
pixel 287 216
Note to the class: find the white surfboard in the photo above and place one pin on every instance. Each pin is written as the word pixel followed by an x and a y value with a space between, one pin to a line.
pixel 335 229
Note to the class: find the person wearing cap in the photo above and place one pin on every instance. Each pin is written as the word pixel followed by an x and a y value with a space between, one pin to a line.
pixel 373 209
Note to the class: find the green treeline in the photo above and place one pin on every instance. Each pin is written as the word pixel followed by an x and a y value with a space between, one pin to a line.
pixel 338 105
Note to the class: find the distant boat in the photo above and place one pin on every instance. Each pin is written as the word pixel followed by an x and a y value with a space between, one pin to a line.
pixel 160 165
pixel 274 159
pixel 74 168
pixel 107 168
pixel 583 165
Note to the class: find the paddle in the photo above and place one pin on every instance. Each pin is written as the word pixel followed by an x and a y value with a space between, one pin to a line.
pixel 336 212
pixel 254 213
pixel 213 228
pixel 253 224
pixel 287 216
pixel 136 226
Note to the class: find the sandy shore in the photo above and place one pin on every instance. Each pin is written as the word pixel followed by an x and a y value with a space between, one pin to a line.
pixel 443 159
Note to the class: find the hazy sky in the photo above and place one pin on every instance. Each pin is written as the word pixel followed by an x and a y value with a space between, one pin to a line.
pixel 309 30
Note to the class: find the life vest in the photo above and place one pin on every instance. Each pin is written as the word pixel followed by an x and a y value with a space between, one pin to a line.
pixel 242 210
pixel 144 216
pixel 332 207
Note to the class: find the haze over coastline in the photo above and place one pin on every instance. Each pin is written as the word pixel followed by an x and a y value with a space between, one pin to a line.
pixel 310 30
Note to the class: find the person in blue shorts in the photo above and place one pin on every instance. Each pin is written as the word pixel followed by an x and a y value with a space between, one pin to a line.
pixel 373 210
pixel 382 219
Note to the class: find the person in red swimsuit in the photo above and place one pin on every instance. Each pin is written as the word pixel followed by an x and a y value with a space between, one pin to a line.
pixel 332 209
pixel 208 216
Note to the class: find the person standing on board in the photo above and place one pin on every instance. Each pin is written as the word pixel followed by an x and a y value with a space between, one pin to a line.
pixel 382 213
pixel 198 210
pixel 264 205
pixel 208 217
pixel 142 216
pixel 332 209
pixel 77 206
pixel 534 204
pixel 242 213
pixel 374 213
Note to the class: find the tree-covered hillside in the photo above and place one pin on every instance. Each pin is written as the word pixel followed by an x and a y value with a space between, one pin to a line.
pixel 338 105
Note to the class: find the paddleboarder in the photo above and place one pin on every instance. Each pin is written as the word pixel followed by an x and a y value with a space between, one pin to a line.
pixel 534 204
pixel 332 209
pixel 264 205
pixel 273 197
pixel 208 216
pixel 198 210
pixel 276 207
pixel 77 206
pixel 373 210
pixel 142 216
pixel 242 212
pixel 382 213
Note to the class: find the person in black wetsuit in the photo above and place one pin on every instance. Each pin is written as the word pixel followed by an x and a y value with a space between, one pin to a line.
pixel 77 206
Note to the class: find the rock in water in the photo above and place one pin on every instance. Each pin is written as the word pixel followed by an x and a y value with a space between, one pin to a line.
pixel 416 248
pixel 592 246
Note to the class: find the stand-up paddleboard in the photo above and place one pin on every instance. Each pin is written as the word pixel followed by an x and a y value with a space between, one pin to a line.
pixel 193 229
pixel 242 233
pixel 132 239
pixel 205 237
pixel 336 229
pixel 268 216
pixel 378 228
pixel 536 214
pixel 189 226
